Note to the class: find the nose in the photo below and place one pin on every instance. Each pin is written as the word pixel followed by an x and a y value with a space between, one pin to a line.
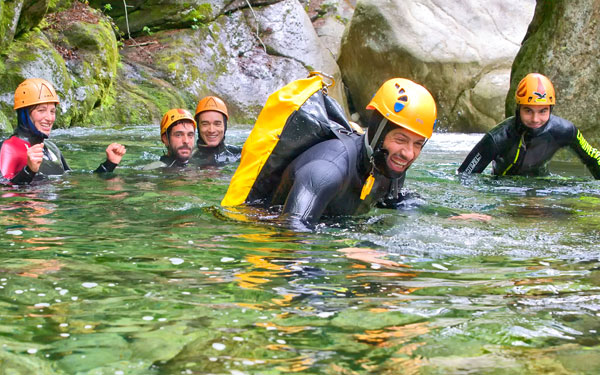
pixel 408 151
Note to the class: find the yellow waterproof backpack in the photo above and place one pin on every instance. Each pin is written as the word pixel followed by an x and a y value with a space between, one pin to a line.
pixel 295 118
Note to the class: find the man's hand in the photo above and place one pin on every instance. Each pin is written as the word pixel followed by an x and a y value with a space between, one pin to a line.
pixel 35 156
pixel 114 152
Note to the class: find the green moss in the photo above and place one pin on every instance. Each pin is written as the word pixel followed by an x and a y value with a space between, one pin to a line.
pixel 7 15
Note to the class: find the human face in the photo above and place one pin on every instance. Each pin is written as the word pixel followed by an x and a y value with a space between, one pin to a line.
pixel 403 147
pixel 534 116
pixel 212 127
pixel 43 116
pixel 180 140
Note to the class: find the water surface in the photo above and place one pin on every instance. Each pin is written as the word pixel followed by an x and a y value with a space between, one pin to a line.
pixel 142 272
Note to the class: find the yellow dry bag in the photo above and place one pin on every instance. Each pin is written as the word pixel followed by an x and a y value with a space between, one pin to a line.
pixel 295 118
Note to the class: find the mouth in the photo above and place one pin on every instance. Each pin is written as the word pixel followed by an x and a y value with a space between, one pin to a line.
pixel 45 127
pixel 397 164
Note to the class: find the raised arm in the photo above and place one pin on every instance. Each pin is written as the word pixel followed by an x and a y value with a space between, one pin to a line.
pixel 480 156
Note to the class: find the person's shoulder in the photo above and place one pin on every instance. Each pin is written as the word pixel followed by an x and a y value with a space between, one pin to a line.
pixel 154 165
pixel 561 128
pixel 505 125
pixel 15 143
pixel 233 149
pixel 326 150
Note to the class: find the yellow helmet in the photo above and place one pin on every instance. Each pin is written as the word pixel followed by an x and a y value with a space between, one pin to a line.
pixel 406 104
pixel 174 115
pixel 212 103
pixel 34 91
pixel 535 89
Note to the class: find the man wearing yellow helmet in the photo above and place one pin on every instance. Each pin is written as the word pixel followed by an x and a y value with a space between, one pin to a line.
pixel 351 174
pixel 28 153
pixel 178 134
pixel 524 144
pixel 212 117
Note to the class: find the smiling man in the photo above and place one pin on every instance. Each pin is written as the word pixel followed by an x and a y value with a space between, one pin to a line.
pixel 349 175
pixel 178 134
pixel 524 144
pixel 212 117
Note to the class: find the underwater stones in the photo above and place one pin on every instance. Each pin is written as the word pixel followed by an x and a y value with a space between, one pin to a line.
pixel 561 43
pixel 448 47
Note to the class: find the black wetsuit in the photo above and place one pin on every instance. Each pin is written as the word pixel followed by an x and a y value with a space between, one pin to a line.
pixel 53 162
pixel 167 161
pixel 516 149
pixel 215 156
pixel 327 179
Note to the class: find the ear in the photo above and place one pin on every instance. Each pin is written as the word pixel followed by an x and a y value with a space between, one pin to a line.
pixel 165 139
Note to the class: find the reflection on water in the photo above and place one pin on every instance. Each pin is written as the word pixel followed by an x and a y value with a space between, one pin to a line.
pixel 144 273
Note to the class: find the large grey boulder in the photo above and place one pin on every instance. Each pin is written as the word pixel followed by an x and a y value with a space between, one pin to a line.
pixel 562 43
pixel 461 51
pixel 330 18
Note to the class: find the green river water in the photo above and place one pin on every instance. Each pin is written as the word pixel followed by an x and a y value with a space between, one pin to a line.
pixel 144 273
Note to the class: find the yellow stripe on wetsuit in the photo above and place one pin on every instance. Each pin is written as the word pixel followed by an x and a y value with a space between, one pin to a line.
pixel 587 148
pixel 516 156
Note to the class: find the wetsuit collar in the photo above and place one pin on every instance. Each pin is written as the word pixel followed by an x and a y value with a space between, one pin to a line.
pixel 173 162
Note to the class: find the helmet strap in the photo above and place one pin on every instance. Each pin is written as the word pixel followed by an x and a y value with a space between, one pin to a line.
pixel 371 147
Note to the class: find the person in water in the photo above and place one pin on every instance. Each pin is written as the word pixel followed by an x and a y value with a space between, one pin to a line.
pixel 524 143
pixel 28 154
pixel 336 177
pixel 178 134
pixel 211 117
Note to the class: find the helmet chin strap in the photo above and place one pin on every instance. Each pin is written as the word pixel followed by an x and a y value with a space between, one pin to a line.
pixel 371 147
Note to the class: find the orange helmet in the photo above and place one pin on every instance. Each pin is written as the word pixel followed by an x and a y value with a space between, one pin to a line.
pixel 406 104
pixel 34 91
pixel 535 89
pixel 212 103
pixel 174 115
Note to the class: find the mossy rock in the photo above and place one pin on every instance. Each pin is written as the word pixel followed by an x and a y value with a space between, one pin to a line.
pixel 32 13
pixel 136 99
pixel 559 45
pixel 145 17
pixel 32 55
